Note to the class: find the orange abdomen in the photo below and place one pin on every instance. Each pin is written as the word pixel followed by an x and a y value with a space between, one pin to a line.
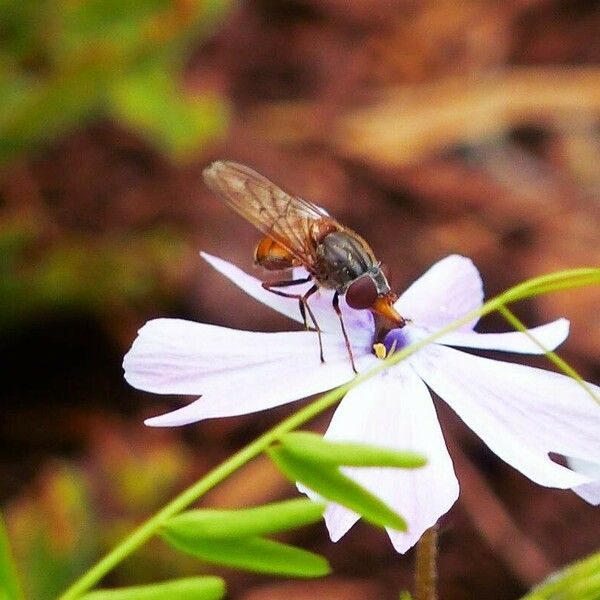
pixel 273 256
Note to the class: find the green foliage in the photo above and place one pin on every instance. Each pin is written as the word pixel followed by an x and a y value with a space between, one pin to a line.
pixel 248 522
pixel 54 534
pixel 190 588
pixel 231 538
pixel 264 555
pixel 62 63
pixel 252 554
pixel 552 282
pixel 150 103
pixel 313 447
pixel 579 581
pixel 81 273
pixel 10 587
pixel 58 530
pixel 329 482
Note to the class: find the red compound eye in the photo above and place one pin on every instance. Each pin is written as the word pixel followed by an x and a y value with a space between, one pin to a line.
pixel 361 293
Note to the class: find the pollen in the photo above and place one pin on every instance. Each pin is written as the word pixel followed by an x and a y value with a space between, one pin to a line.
pixel 380 351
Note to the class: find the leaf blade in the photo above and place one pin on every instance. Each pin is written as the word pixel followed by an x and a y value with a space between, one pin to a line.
pixel 252 554
pixel 10 586
pixel 577 581
pixel 332 484
pixel 190 588
pixel 249 522
pixel 315 448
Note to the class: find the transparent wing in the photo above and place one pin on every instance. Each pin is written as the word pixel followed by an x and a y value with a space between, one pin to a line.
pixel 284 218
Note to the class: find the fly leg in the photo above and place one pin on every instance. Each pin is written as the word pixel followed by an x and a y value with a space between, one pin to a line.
pixel 286 283
pixel 336 307
pixel 302 303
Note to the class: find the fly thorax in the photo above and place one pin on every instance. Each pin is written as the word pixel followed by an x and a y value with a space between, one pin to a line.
pixel 341 259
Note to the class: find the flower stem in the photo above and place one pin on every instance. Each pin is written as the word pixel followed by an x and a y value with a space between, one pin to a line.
pixel 149 528
pixel 426 565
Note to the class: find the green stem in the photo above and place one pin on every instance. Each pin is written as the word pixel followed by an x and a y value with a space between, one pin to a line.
pixel 554 358
pixel 147 529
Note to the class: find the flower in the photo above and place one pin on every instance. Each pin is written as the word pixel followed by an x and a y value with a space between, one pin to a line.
pixel 522 413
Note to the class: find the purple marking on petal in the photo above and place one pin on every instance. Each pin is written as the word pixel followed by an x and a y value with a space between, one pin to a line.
pixel 395 340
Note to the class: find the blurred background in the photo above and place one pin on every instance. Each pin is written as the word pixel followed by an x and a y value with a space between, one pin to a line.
pixel 430 127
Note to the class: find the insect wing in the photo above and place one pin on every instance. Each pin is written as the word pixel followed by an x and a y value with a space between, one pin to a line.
pixel 286 219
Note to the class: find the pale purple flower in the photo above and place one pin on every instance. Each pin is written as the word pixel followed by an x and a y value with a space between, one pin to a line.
pixel 521 413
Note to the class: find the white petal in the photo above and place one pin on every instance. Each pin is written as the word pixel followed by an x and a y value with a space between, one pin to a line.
pixel 253 287
pixel 395 410
pixel 520 412
pixel 236 372
pixel 550 336
pixel 590 492
pixel 448 290
pixel 358 321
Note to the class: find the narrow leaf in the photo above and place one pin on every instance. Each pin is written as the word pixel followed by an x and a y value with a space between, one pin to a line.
pixel 190 588
pixel 333 485
pixel 552 282
pixel 578 581
pixel 252 554
pixel 312 447
pixel 10 588
pixel 250 522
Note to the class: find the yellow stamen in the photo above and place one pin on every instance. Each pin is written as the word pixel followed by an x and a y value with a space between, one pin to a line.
pixel 380 351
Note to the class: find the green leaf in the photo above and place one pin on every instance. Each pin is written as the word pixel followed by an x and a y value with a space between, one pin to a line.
pixel 190 588
pixel 151 103
pixel 54 532
pixel 250 522
pixel 252 554
pixel 579 581
pixel 10 587
pixel 330 483
pixel 552 282
pixel 312 447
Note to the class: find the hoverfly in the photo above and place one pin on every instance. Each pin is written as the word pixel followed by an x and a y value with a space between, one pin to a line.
pixel 299 233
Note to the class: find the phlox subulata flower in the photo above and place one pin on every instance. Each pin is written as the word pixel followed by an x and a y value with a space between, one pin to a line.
pixel 522 413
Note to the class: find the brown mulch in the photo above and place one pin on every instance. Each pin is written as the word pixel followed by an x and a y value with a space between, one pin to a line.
pixel 310 82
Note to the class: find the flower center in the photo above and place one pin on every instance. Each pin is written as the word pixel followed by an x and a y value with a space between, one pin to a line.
pixel 394 340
